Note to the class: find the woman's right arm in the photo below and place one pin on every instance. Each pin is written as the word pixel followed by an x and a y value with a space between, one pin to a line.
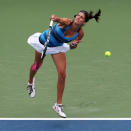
pixel 61 21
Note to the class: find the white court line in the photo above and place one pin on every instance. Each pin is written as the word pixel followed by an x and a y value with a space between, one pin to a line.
pixel 65 118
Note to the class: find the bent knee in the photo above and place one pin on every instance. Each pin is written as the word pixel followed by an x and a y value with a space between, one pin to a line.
pixel 36 66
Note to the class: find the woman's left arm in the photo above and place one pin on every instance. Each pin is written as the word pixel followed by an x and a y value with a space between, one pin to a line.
pixel 77 40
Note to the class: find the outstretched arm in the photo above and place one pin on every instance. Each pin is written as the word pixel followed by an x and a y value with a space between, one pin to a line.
pixel 62 21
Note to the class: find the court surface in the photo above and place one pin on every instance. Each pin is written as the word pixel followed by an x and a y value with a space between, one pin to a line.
pixel 56 125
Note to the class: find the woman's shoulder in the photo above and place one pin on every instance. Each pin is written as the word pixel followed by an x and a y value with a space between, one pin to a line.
pixel 81 34
pixel 65 22
pixel 81 31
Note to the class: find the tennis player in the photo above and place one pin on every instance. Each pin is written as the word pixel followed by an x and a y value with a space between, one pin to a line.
pixel 64 31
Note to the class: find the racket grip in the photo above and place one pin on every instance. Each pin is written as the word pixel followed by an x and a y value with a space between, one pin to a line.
pixel 51 23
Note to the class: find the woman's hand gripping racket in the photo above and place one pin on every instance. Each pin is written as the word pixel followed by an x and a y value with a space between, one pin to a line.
pixel 47 41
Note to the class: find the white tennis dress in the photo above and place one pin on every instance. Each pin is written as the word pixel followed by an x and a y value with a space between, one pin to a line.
pixel 33 40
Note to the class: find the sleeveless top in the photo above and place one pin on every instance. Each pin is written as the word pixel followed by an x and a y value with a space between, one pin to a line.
pixel 57 37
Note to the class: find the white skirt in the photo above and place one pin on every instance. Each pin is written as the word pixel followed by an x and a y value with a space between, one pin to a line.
pixel 33 40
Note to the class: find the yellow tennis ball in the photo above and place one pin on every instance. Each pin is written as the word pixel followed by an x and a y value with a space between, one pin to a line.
pixel 107 53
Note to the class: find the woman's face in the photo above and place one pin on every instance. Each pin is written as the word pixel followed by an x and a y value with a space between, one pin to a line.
pixel 80 19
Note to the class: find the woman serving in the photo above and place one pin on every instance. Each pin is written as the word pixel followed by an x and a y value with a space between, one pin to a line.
pixel 65 31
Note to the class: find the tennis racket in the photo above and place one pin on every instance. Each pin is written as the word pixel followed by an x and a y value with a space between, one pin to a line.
pixel 47 41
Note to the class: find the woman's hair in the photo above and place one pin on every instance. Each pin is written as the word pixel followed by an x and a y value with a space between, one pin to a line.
pixel 96 16
pixel 89 15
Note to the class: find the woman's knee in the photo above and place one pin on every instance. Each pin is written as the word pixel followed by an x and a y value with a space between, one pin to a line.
pixel 62 74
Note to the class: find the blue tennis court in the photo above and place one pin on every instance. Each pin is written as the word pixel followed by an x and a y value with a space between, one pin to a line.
pixel 65 125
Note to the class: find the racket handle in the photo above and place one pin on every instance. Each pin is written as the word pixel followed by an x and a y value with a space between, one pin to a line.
pixel 47 41
pixel 51 23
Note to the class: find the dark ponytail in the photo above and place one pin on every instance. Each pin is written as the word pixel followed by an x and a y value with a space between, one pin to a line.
pixel 96 16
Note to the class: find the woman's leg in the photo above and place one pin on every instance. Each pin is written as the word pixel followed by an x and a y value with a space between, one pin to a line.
pixel 60 62
pixel 34 68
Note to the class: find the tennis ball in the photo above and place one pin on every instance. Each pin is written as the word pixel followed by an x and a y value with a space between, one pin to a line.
pixel 107 53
